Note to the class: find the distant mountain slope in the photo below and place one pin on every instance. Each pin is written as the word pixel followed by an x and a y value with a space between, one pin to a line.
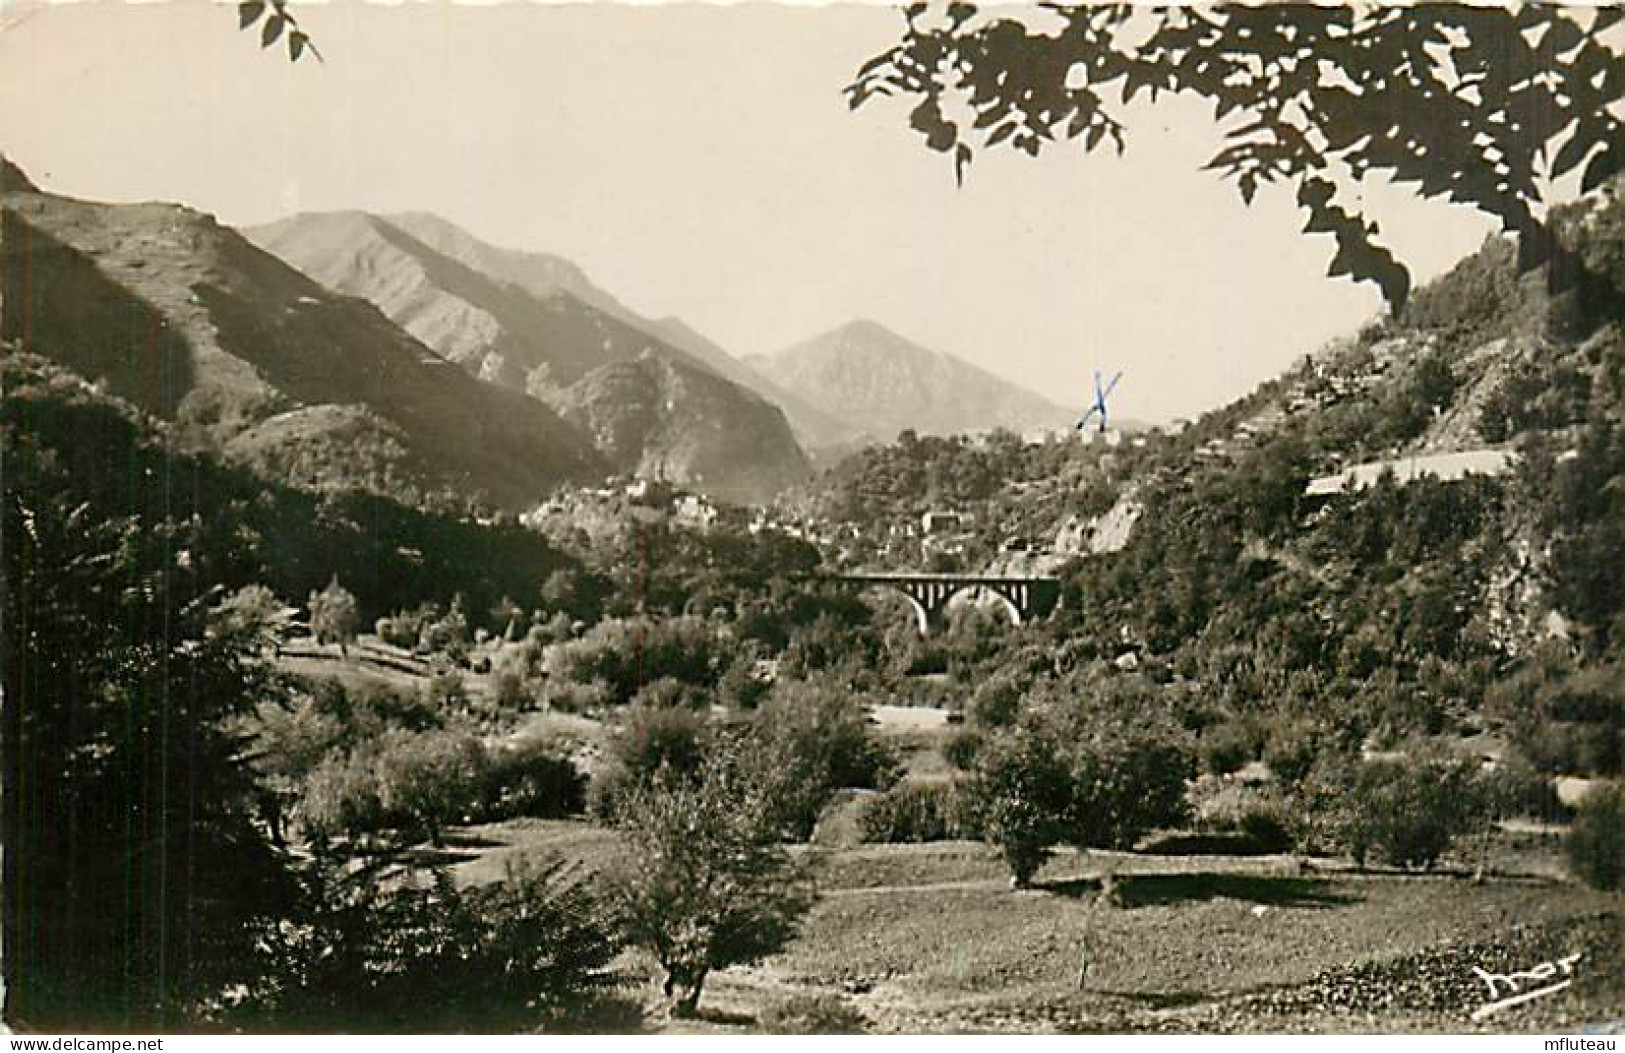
pixel 191 322
pixel 869 375
pixel 816 429
pixel 541 274
pixel 662 418
pixel 546 276
pixel 1442 490
pixel 534 323
pixel 493 328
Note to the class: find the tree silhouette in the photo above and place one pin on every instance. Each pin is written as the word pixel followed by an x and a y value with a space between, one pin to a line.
pixel 1480 106
pixel 333 616
pixel 704 882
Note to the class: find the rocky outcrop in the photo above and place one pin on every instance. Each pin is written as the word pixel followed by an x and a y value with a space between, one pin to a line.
pixel 660 418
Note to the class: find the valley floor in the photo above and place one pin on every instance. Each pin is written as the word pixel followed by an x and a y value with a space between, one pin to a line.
pixel 931 938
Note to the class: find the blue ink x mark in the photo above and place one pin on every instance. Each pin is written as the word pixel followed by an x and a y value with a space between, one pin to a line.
pixel 1100 402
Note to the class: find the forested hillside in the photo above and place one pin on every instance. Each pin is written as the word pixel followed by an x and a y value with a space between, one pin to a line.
pixel 1290 620
pixel 75 454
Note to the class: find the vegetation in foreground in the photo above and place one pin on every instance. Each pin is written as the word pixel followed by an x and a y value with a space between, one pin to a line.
pixel 1252 670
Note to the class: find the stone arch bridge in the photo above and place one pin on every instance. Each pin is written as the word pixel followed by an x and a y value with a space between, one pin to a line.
pixel 1024 597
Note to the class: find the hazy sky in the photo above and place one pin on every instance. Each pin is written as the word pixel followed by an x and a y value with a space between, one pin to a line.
pixel 701 161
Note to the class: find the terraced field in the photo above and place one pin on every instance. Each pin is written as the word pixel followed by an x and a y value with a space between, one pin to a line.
pixel 931 938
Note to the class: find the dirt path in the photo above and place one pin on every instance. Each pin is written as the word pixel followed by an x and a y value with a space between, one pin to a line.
pixel 936 886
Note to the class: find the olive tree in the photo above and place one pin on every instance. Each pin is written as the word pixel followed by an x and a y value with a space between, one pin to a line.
pixel 333 617
pixel 376 950
pixel 704 882
pixel 1023 791
pixel 1037 786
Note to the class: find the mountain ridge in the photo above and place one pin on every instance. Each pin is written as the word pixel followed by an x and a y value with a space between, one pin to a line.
pixel 545 275
pixel 190 321
pixel 518 320
pixel 887 383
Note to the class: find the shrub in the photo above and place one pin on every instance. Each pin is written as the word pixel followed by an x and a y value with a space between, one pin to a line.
pixel 1408 811
pixel 574 698
pixel 823 722
pixel 626 654
pixel 412 782
pixel 961 748
pixel 914 812
pixel 740 687
pixel 365 955
pixel 1023 790
pixel 430 780
pixel 333 616
pixel 447 635
pixel 446 690
pixel 1291 750
pixel 1123 786
pixel 667 693
pixel 829 643
pixel 293 737
pixel 373 709
pixel 340 797
pixel 1225 748
pixel 290 740
pixel 401 629
pixel 1574 724
pixel 650 741
pixel 531 780
pixel 1596 841
pixel 826 738
pixel 997 699
pixel 252 614
pixel 510 691
pixel 507 616
pixel 819 1014
pixel 1262 817
pixel 1266 828
pixel 705 882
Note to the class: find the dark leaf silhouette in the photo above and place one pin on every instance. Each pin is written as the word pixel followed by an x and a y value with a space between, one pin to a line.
pixel 1470 104
pixel 273 29
pixel 278 21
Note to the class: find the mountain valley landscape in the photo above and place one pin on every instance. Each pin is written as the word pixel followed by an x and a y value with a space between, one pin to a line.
pixel 403 634
pixel 535 325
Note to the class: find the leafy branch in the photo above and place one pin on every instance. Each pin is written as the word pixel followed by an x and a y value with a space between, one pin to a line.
pixel 1479 106
pixel 276 22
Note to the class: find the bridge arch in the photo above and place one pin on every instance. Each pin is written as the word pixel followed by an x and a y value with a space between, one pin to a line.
pixel 929 594
pixel 923 618
pixel 1010 605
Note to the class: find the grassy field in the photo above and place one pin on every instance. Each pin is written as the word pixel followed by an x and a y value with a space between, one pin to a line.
pixel 931 938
